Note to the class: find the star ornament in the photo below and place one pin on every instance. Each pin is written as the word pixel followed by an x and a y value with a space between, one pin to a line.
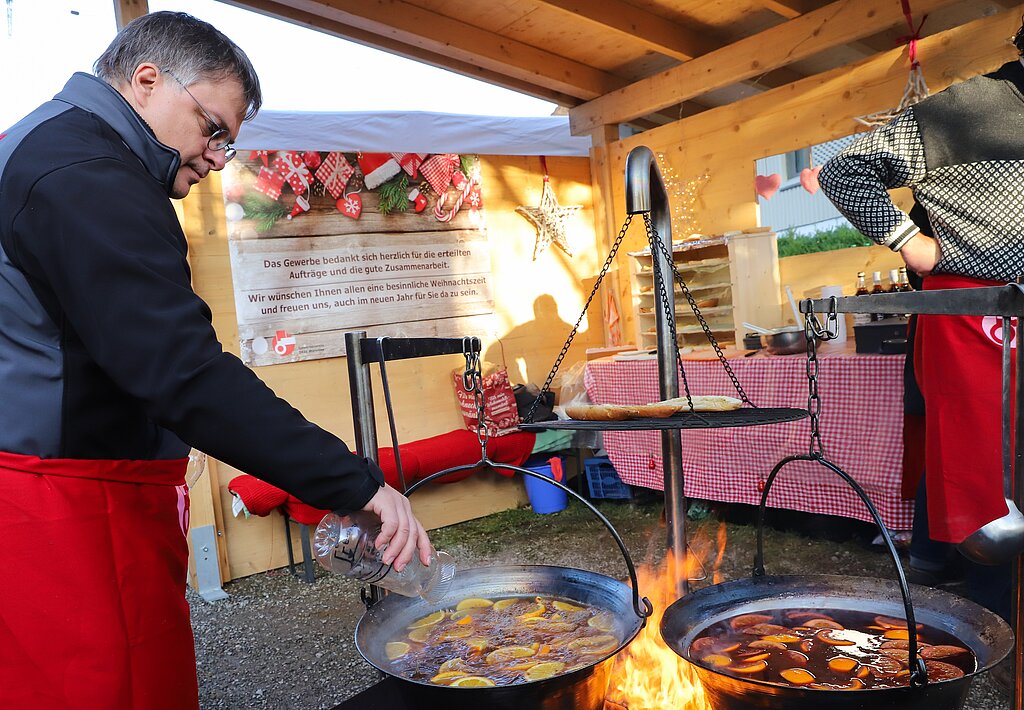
pixel 549 219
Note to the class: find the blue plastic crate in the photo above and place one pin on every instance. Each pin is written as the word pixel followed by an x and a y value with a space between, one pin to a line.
pixel 603 481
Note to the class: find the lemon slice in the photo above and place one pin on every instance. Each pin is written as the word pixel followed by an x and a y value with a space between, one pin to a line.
pixel 565 606
pixel 603 621
pixel 459 632
pixel 428 620
pixel 544 670
pixel 448 675
pixel 453 664
pixel 396 649
pixel 507 653
pixel 505 603
pixel 535 609
pixel 421 634
pixel 477 644
pixel 593 644
pixel 473 602
pixel 473 681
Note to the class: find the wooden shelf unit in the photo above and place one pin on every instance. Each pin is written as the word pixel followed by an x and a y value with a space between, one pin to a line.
pixel 735 274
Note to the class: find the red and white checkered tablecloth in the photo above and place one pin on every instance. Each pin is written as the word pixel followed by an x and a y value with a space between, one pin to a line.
pixel 861 426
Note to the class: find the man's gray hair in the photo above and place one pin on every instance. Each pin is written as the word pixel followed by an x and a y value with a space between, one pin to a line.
pixel 186 47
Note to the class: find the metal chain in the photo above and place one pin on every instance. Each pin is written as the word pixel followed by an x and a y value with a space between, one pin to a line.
pixel 814 331
pixel 664 301
pixel 586 306
pixel 473 381
pixel 696 311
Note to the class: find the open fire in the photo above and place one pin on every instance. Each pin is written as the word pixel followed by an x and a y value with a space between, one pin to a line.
pixel 648 675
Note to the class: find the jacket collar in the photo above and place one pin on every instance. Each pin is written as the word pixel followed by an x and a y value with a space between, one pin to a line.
pixel 96 96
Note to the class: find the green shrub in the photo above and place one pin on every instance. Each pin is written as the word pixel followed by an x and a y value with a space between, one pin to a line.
pixel 842 237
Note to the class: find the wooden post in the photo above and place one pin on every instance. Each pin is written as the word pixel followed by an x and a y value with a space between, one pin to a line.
pixel 127 10
pixel 604 221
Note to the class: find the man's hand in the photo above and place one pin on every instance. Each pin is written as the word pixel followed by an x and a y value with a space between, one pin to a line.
pixel 921 254
pixel 400 530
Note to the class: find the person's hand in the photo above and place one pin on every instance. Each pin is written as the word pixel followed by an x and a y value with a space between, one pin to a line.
pixel 400 530
pixel 921 254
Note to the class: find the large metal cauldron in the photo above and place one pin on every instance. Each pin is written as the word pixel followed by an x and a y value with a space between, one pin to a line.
pixel 581 689
pixel 979 629
pixel 985 633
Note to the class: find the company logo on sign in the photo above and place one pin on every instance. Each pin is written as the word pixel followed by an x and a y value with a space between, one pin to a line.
pixel 993 329
pixel 283 343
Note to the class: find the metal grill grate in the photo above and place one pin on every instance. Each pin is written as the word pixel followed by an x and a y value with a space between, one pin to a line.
pixel 698 420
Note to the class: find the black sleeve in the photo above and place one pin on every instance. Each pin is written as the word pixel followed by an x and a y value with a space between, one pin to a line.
pixel 112 251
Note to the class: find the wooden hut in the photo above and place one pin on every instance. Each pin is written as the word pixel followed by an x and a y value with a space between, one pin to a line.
pixel 712 86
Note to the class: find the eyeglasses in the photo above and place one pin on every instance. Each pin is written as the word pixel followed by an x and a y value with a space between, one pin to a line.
pixel 220 137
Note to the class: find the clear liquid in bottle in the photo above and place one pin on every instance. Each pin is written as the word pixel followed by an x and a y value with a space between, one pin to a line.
pixel 344 545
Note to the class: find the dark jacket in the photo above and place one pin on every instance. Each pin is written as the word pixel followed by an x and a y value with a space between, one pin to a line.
pixel 105 350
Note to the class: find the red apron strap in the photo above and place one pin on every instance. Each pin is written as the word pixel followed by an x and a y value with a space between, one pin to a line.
pixel 165 472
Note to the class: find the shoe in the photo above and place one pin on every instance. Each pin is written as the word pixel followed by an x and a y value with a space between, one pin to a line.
pixel 939 578
pixel 1002 676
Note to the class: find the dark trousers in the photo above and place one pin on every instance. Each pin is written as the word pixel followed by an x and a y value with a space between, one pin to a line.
pixel 987 585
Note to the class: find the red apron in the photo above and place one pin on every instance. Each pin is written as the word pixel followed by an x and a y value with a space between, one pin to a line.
pixel 958 361
pixel 92 606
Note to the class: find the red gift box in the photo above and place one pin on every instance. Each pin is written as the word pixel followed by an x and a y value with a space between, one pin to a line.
pixel 334 173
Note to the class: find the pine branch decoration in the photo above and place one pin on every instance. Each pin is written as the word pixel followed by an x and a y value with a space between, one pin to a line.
pixel 394 195
pixel 263 211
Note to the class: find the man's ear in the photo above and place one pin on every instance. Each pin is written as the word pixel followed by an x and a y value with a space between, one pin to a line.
pixel 145 79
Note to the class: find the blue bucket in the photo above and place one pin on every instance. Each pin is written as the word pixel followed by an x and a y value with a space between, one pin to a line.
pixel 544 497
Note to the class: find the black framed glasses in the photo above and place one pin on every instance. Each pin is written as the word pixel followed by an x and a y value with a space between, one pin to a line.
pixel 220 137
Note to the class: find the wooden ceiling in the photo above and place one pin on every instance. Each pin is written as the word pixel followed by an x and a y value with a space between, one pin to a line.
pixel 638 62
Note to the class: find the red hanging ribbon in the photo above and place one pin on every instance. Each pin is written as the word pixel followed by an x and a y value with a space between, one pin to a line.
pixel 911 39
pixel 544 167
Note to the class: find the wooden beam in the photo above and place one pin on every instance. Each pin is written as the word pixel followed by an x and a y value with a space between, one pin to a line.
pixel 789 9
pixel 127 10
pixel 645 28
pixel 272 8
pixel 446 36
pixel 841 22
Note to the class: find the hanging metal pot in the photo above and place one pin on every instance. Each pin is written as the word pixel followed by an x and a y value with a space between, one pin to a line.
pixel 983 632
pixel 580 689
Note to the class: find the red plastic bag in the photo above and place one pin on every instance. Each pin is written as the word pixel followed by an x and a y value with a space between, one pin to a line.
pixel 500 413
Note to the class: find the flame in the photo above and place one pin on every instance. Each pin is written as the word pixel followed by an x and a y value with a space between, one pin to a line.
pixel 648 675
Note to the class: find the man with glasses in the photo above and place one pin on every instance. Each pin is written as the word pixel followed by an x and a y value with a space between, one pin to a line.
pixel 110 370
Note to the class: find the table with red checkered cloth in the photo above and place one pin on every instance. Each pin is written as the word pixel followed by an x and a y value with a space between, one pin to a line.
pixel 861 426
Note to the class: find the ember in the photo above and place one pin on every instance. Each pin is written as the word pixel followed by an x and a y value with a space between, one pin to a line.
pixel 648 675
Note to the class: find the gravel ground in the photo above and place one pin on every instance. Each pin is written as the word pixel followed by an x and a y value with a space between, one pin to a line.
pixel 279 643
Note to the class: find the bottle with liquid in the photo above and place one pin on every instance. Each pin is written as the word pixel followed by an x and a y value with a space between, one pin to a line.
pixel 862 290
pixel 894 287
pixel 876 287
pixel 344 544
pixel 904 280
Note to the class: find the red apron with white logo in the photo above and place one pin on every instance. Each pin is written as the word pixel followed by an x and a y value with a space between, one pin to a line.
pixel 92 605
pixel 958 361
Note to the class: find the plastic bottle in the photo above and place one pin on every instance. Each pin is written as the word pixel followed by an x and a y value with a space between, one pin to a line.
pixel 344 545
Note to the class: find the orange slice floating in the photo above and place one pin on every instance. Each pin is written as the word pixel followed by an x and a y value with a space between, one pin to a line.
pixel 592 645
pixel 797 676
pixel 717 660
pixel 750 668
pixel 428 620
pixel 898 634
pixel 826 635
pixel 473 681
pixel 781 638
pixel 842 664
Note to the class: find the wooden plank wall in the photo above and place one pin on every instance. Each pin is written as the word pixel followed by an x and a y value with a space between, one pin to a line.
pixel 536 303
pixel 725 142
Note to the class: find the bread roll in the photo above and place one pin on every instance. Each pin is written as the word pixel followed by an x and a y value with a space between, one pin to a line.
pixel 706 403
pixel 597 412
